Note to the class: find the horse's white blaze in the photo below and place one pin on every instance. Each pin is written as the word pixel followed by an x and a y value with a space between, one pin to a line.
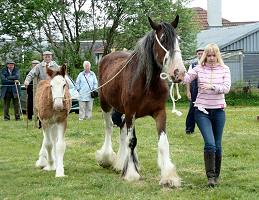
pixel 57 88
pixel 131 174
pixel 177 62
pixel 122 152
pixel 106 156
pixel 168 171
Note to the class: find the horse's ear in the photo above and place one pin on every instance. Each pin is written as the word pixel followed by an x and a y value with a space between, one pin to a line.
pixel 49 71
pixel 153 24
pixel 175 22
pixel 63 70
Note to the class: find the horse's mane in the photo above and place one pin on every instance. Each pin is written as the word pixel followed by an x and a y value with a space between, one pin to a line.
pixel 145 55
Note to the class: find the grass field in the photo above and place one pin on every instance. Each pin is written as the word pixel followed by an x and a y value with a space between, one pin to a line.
pixel 20 179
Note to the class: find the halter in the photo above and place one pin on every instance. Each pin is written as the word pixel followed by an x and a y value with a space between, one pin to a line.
pixel 166 51
pixel 165 75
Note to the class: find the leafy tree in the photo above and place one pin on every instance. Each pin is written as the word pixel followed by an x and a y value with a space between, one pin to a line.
pixel 63 23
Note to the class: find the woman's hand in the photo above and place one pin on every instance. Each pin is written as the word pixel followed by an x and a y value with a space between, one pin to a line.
pixel 205 86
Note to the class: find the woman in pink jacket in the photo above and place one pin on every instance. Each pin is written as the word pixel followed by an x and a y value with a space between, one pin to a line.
pixel 213 83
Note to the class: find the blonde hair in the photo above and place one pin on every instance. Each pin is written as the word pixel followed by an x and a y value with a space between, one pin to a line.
pixel 211 48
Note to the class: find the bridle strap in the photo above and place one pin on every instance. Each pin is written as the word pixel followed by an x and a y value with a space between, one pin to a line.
pixel 158 41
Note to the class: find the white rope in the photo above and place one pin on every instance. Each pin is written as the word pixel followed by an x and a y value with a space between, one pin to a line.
pixel 165 76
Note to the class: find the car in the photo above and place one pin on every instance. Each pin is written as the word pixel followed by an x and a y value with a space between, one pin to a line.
pixel 72 90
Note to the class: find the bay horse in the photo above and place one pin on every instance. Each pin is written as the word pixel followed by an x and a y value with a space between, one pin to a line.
pixel 133 87
pixel 53 104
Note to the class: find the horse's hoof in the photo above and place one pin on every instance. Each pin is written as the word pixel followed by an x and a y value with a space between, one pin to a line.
pixel 173 182
pixel 49 168
pixel 118 166
pixel 131 174
pixel 60 175
pixel 105 160
pixel 132 178
pixel 41 163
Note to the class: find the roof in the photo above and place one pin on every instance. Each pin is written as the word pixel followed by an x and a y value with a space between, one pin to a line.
pixel 201 19
pixel 225 36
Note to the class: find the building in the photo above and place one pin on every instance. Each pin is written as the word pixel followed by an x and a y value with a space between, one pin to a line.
pixel 238 42
pixel 98 47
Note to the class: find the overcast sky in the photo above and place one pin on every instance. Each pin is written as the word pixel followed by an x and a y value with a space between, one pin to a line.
pixel 234 10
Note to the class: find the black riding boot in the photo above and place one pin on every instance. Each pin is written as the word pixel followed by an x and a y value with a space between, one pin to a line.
pixel 209 159
pixel 217 167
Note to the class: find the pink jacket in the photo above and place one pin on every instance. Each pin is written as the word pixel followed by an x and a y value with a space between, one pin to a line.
pixel 219 77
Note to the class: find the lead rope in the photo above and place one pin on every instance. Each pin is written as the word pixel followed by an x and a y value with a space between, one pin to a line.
pixel 165 76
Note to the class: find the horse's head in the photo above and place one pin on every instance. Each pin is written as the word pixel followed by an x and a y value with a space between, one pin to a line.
pixel 57 84
pixel 166 49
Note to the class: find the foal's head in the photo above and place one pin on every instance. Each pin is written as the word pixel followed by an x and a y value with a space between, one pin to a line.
pixel 166 49
pixel 57 85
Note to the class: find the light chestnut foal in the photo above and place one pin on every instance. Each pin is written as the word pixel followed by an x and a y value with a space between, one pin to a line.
pixel 53 104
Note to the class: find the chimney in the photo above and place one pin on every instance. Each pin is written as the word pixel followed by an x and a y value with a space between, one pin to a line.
pixel 214 13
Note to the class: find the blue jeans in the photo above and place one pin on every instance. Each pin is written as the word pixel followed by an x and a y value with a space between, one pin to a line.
pixel 190 120
pixel 211 127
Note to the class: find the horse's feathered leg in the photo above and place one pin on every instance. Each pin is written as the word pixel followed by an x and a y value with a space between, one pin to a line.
pixel 130 170
pixel 122 152
pixel 106 156
pixel 60 148
pixel 169 176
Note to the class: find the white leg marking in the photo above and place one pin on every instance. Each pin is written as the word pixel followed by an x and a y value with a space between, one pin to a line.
pixel 123 150
pixel 169 176
pixel 49 147
pixel 42 161
pixel 60 149
pixel 131 173
pixel 106 156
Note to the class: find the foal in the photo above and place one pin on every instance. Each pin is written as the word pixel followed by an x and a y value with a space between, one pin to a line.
pixel 53 104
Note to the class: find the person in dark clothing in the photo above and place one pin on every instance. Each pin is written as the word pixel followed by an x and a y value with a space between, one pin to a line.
pixel 117 118
pixel 192 91
pixel 10 87
pixel 30 93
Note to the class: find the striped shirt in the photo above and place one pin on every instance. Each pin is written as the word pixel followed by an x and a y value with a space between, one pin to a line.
pixel 216 76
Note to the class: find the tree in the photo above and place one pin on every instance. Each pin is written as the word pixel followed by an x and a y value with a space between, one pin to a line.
pixel 63 23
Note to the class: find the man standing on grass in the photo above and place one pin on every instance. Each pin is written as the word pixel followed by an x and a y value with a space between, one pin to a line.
pixel 10 77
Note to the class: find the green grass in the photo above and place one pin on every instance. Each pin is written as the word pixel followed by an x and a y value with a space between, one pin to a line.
pixel 20 179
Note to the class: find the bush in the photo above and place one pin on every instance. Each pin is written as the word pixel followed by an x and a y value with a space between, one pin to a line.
pixel 243 96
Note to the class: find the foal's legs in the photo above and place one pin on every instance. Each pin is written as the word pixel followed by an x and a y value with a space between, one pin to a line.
pixel 42 161
pixel 130 169
pixel 169 176
pixel 106 156
pixel 60 148
pixel 49 147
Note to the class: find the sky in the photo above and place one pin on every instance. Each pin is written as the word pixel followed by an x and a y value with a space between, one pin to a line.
pixel 234 10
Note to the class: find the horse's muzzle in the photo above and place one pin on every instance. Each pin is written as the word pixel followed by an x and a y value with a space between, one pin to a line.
pixel 58 104
pixel 177 76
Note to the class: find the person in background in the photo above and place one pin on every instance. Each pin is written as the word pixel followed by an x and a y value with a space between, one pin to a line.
pixel 39 73
pixel 86 82
pixel 10 89
pixel 39 70
pixel 30 93
pixel 191 92
pixel 214 82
